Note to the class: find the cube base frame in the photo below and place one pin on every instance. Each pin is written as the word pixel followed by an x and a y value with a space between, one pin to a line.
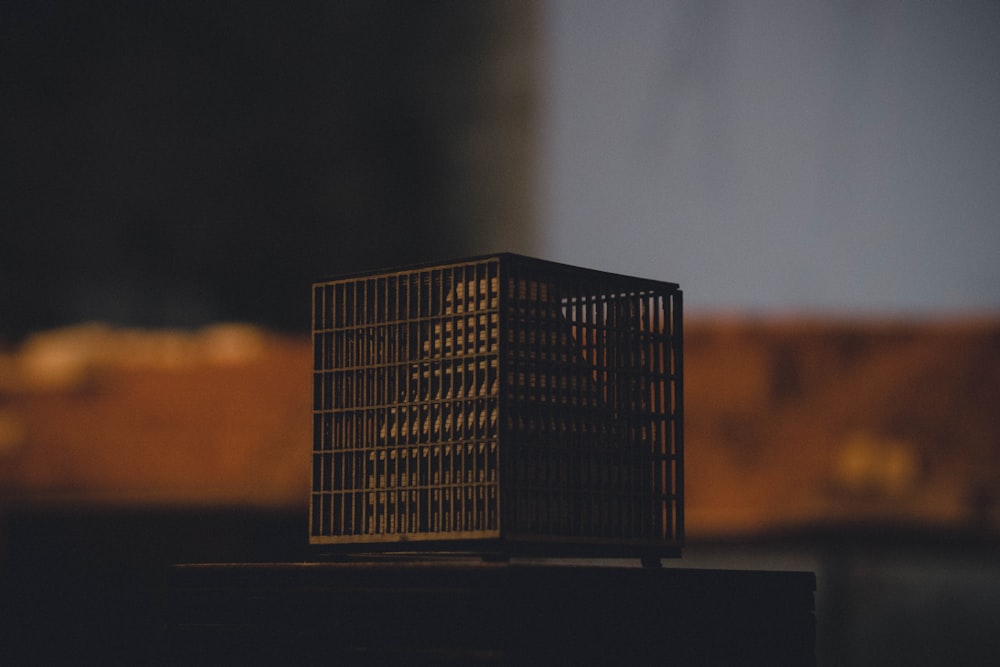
pixel 498 405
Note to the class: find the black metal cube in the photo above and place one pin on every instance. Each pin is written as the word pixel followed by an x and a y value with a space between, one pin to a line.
pixel 498 404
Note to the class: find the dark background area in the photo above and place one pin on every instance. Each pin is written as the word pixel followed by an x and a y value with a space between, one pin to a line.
pixel 179 163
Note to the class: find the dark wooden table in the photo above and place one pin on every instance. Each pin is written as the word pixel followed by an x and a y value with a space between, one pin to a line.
pixel 474 612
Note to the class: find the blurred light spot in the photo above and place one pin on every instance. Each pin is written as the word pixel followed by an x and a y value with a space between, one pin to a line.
pixel 13 434
pixel 872 465
pixel 66 359
pixel 232 344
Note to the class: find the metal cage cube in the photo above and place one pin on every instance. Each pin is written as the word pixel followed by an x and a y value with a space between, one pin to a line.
pixel 498 404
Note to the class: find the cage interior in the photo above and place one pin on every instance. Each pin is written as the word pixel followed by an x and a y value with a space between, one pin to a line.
pixel 498 398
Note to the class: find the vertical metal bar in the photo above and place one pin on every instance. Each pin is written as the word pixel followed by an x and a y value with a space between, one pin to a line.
pixel 317 362
pixel 497 299
pixel 659 408
pixel 513 449
pixel 678 411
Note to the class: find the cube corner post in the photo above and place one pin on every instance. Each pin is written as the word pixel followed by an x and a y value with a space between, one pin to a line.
pixel 498 404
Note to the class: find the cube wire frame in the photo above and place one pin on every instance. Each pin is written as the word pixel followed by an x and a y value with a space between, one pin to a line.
pixel 498 404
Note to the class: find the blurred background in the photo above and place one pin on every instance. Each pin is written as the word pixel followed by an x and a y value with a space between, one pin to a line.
pixel 822 180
